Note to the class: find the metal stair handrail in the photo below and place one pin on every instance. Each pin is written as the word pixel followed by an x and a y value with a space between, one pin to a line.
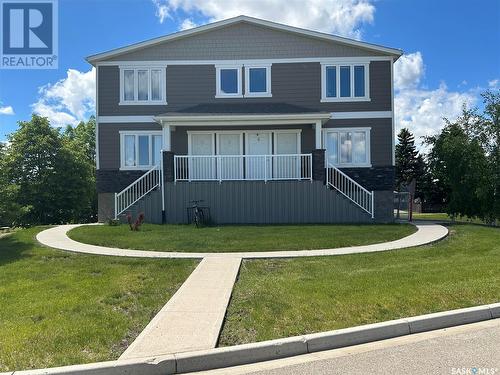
pixel 137 190
pixel 351 189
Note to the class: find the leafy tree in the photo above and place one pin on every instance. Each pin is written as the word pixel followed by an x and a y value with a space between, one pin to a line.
pixel 52 173
pixel 491 143
pixel 82 138
pixel 9 209
pixel 459 162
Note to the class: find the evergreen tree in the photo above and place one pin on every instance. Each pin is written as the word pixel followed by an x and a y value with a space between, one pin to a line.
pixel 407 164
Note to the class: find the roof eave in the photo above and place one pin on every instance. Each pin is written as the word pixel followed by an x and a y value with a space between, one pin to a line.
pixel 321 116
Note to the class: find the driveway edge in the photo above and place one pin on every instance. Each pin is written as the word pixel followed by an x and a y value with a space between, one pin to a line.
pixel 276 349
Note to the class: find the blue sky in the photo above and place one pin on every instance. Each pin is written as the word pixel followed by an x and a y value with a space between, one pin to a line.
pixel 452 49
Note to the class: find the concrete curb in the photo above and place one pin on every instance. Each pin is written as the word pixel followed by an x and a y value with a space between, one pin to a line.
pixel 276 349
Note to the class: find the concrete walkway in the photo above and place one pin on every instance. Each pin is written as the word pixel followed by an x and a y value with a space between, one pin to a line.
pixel 56 237
pixel 193 317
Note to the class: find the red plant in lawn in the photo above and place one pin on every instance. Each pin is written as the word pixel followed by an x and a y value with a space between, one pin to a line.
pixel 138 222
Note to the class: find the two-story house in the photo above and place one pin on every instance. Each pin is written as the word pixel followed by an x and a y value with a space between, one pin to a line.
pixel 264 122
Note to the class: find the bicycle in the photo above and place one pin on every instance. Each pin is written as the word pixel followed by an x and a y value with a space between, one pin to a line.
pixel 198 216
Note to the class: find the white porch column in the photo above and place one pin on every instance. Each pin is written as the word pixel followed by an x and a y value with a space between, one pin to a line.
pixel 166 137
pixel 317 132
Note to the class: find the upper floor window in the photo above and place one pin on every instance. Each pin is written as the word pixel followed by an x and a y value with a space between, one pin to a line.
pixel 258 81
pixel 143 86
pixel 140 149
pixel 228 81
pixel 344 82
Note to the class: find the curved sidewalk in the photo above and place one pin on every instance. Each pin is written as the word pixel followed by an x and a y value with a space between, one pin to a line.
pixel 57 238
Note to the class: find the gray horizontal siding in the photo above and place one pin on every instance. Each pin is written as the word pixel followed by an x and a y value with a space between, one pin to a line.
pixel 244 41
pixel 150 206
pixel 380 137
pixel 256 202
pixel 297 83
pixel 109 142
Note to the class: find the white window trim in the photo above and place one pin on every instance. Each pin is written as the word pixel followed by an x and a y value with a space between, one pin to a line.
pixel 136 101
pixel 218 92
pixel 351 98
pixel 150 133
pixel 366 130
pixel 267 93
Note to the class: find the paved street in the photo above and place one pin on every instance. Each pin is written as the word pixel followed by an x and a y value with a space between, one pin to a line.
pixel 456 350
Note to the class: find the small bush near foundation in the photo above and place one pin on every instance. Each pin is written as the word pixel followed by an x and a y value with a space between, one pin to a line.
pixel 113 222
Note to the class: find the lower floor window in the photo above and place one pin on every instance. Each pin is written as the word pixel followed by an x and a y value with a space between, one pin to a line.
pixel 348 147
pixel 141 150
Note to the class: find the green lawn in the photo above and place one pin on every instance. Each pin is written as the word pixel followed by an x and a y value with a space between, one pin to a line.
pixel 279 298
pixel 59 308
pixel 188 238
pixel 444 217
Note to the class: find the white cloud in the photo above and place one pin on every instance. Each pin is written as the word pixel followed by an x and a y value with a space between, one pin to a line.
pixel 420 109
pixel 69 100
pixel 408 71
pixel 6 110
pixel 342 17
pixel 494 84
pixel 162 10
pixel 188 24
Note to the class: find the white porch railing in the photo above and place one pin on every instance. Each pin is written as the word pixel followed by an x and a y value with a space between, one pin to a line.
pixel 137 189
pixel 350 189
pixel 242 167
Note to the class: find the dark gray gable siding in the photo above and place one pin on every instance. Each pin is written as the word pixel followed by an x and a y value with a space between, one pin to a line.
pixel 243 41
pixel 297 84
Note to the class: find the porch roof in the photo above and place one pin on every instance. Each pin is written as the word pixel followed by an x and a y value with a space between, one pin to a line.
pixel 243 113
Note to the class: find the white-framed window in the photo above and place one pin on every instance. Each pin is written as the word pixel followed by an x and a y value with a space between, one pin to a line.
pixel 140 149
pixel 347 147
pixel 345 82
pixel 228 81
pixel 258 81
pixel 143 85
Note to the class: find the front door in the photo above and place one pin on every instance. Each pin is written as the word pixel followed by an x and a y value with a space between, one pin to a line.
pixel 287 163
pixel 202 165
pixel 258 144
pixel 230 145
